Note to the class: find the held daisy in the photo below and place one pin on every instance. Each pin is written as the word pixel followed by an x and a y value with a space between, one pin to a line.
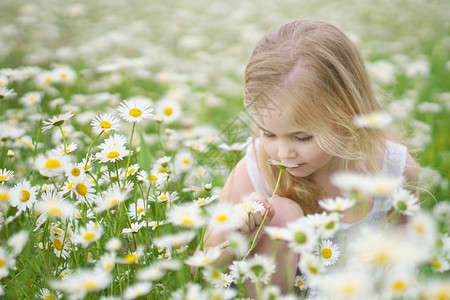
pixel 135 110
pixel 282 164
pixel 56 121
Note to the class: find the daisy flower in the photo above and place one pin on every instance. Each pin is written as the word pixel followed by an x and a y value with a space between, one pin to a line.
pixel 135 110
pixel 310 265
pixel 106 262
pixel 6 175
pixel 238 243
pixel 31 98
pixel 153 272
pixel 133 169
pixel 82 188
pixel 114 244
pixel 375 120
pixel 205 201
pixel 111 198
pixel 137 210
pixel 277 233
pixel 347 284
pixel 47 295
pixel 282 164
pixel 186 216
pixel 54 206
pixel 82 282
pixel 326 225
pixel 52 163
pixel 137 290
pixel 259 268
pixel 23 195
pixel 88 234
pixel 301 282
pixel 302 236
pixel 62 247
pixel 18 241
pixel 5 195
pixel 183 160
pixel 175 240
pixel 67 149
pixel 203 258
pixel 405 202
pixel 56 121
pixel 217 278
pixel 134 227
pixel 337 204
pixel 168 110
pixel 105 122
pixel 6 93
pixel 111 152
pixel 7 262
pixel 75 170
pixel 223 217
pixel 132 257
pixel 249 205
pixel 329 252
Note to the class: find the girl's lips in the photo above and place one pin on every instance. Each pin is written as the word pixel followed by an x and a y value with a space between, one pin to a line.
pixel 297 166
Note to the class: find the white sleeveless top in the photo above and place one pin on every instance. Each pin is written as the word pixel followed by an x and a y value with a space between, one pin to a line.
pixel 394 162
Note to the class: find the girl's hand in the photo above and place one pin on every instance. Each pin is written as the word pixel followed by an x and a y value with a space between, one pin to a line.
pixel 251 222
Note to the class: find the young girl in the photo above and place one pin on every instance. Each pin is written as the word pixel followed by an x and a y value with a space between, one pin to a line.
pixel 304 84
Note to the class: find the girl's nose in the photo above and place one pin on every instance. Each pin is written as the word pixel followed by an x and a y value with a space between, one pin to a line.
pixel 285 151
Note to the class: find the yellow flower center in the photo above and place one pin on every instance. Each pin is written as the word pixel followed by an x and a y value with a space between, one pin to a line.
pixel 57 230
pixel 81 189
pixel 113 154
pixel 75 172
pixel 2 262
pixel 89 236
pixel 58 244
pixel 168 111
pixel 222 218
pixel 326 253
pixel 348 290
pixel 140 210
pixel 399 286
pixel 25 196
pixel 49 297
pixel 113 202
pixel 3 178
pixel 108 267
pixel 52 164
pixel 205 260
pixel 4 197
pixel 90 285
pixel 135 112
pixel 130 258
pixel 186 161
pixel 105 124
pixel 163 198
pixel 131 171
pixel 299 282
pixel 187 222
pixel 54 211
pixel 70 185
pixel 313 270
pixel 153 177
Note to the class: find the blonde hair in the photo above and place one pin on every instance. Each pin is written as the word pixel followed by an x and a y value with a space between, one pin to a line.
pixel 316 74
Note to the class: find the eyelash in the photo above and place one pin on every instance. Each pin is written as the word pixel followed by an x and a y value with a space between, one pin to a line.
pixel 300 139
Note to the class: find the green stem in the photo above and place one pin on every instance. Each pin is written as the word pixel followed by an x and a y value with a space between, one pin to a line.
pixel 265 215
pixel 129 155
pixel 64 138
pixel 90 148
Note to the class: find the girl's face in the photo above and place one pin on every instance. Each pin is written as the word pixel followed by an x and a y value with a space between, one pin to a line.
pixel 286 142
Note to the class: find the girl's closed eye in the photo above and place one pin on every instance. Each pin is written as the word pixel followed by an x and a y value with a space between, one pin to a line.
pixel 267 135
pixel 304 138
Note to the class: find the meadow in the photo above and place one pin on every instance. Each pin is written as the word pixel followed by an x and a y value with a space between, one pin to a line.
pixel 120 121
